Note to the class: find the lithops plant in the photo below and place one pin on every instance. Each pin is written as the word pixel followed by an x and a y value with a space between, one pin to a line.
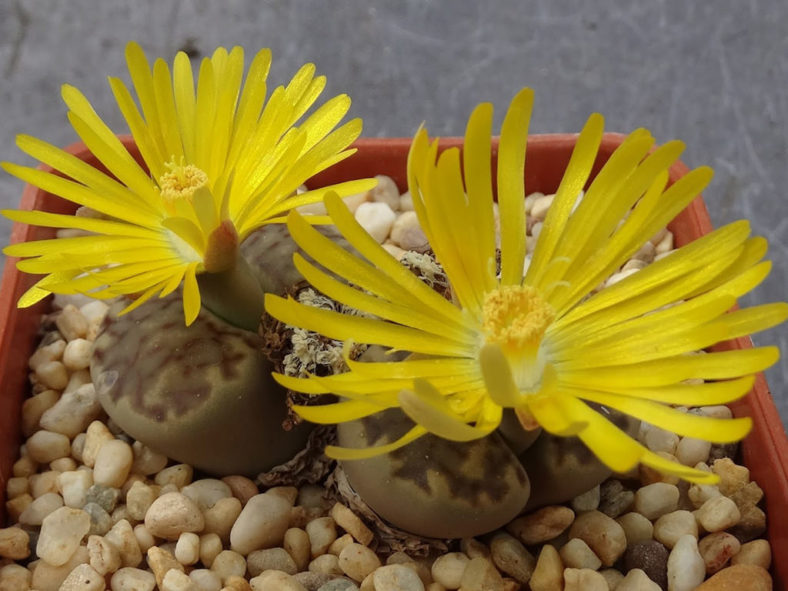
pixel 536 336
pixel 208 166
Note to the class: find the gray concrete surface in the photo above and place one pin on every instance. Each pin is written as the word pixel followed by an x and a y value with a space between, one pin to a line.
pixel 714 74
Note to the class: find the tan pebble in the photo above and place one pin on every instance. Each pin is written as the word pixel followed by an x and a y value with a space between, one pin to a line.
pixel 207 580
pixel 172 514
pixel 17 506
pixel 368 584
pixel 113 463
pixel 686 568
pixel 541 525
pixel 61 534
pixel 298 546
pixel 271 558
pixel 583 579
pixel 206 492
pixel 577 554
pixel 104 556
pixel 690 451
pixel 50 352
pixel 261 524
pixel 398 577
pixel 700 493
pixel 122 536
pixel 175 580
pixel 220 518
pixel 350 522
pixel 76 380
pixel 751 525
pixel 438 587
pixel 95 436
pixel 540 206
pixel 757 552
pixel 406 232
pixel 187 548
pixel 63 465
pixel 385 191
pixel 718 514
pixel 45 446
pixel 421 568
pixel 314 580
pixel 717 549
pixel 44 482
pixel 120 513
pixel 548 574
pixel 77 354
pixel 147 461
pixel 161 562
pixel 71 323
pixel 588 501
pixel 144 538
pixel 178 475
pixel 325 563
pixel 289 493
pixel 241 487
pixel 14 543
pixel 24 466
pixel 393 250
pixel 83 578
pixel 671 526
pixel 78 446
pixel 273 580
pixel 228 563
pixel 357 561
pixel 473 548
pixel 406 201
pixel 602 534
pixel 47 577
pixel 17 485
pixel 614 577
pixel 511 557
pixel 376 218
pixel 732 476
pixel 339 544
pixel 322 533
pixel 650 475
pixel 313 496
pixel 749 494
pixel 636 580
pixel 654 500
pixel 448 568
pixel 14 577
pixel 737 578
pixel 210 546
pixel 52 374
pixel 139 499
pixel 33 409
pixel 132 579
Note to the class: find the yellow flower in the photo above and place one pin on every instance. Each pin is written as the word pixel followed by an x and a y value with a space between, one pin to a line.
pixel 219 162
pixel 539 340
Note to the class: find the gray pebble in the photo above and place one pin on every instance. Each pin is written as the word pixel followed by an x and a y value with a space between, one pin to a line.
pixel 100 520
pixel 614 499
pixel 340 584
pixel 104 496
pixel 313 581
pixel 652 558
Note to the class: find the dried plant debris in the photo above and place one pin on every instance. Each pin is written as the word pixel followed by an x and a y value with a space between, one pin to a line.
pixel 309 466
pixel 427 268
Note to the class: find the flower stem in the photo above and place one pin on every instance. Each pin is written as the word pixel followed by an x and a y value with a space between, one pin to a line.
pixel 234 295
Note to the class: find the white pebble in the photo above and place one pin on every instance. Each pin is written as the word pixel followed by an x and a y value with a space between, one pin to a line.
pixel 71 323
pixel 175 580
pixel 718 514
pixel 206 492
pixel 407 233
pixel 83 578
pixel 655 500
pixel 672 526
pixel 77 354
pixel 104 557
pixel 396 577
pixel 447 569
pixel 686 569
pixel 73 412
pixel 147 461
pixel 386 192
pixel 637 580
pixel 376 218
pixel 690 451
pixel 40 508
pixel 358 561
pixel 172 514
pixel 322 533
pixel 261 524
pixel 576 554
pixel 113 463
pixel 658 439
pixel 44 446
pixel 132 579
pixel 275 580
pixel 61 533
pixel 187 549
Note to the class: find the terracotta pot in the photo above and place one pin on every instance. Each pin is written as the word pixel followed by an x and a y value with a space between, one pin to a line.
pixel 765 450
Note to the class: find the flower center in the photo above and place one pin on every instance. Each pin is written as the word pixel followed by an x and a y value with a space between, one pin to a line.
pixel 516 318
pixel 181 182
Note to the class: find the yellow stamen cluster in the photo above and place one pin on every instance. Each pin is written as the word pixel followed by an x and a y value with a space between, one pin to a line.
pixel 516 317
pixel 181 182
